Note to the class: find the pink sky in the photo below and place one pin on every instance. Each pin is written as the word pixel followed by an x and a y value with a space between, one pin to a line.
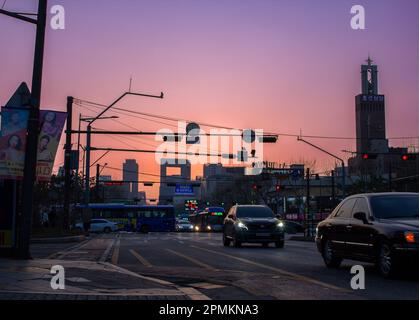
pixel 277 65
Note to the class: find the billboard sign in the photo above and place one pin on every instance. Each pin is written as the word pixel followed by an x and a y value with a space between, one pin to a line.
pixel 14 123
pixel 52 124
pixel 183 189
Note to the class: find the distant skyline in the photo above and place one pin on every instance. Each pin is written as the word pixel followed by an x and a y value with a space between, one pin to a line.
pixel 279 65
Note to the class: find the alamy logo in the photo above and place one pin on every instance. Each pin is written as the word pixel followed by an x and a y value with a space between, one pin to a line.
pixel 58 280
pixel 58 19
pixel 358 20
pixel 358 280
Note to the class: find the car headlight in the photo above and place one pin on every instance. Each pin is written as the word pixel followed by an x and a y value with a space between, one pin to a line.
pixel 241 225
pixel 196 228
pixel 190 227
pixel 280 224
pixel 208 227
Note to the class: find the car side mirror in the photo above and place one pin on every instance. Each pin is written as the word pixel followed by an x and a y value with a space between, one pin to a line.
pixel 361 216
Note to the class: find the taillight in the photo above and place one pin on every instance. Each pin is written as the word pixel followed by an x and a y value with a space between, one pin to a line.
pixel 409 237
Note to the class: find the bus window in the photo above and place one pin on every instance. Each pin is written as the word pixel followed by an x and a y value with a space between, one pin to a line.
pixel 146 214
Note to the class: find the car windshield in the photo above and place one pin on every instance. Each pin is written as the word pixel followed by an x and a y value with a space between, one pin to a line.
pixel 393 207
pixel 254 212
pixel 183 222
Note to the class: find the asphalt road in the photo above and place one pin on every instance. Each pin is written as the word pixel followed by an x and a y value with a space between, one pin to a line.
pixel 199 260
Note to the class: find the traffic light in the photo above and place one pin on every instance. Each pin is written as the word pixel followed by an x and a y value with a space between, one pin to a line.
pixel 278 188
pixel 256 187
pixel 369 156
pixel 268 139
pixel 409 157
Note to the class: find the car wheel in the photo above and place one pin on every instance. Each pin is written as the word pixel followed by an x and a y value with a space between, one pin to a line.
pixel 329 257
pixel 107 230
pixel 386 263
pixel 145 229
pixel 279 244
pixel 226 241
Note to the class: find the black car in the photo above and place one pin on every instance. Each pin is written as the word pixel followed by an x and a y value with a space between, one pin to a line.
pixel 382 228
pixel 252 224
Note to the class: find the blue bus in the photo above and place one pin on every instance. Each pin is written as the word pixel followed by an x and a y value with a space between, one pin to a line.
pixel 140 218
pixel 211 219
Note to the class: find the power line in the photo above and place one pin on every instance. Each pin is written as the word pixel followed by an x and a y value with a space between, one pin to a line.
pixel 230 128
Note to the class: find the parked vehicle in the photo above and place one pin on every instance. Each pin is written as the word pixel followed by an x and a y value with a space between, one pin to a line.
pixel 252 224
pixel 99 225
pixel 380 228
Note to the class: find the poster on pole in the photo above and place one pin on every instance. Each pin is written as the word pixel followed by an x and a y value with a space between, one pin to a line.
pixel 52 124
pixel 14 122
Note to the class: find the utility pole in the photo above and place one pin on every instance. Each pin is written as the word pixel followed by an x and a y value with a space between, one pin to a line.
pixel 307 213
pixel 67 164
pixel 29 173
pixel 97 181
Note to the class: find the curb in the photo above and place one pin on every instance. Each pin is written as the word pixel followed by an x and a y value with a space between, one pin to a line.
pixel 59 239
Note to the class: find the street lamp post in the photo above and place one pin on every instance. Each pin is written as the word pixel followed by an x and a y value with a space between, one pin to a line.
pixel 88 137
pixel 334 156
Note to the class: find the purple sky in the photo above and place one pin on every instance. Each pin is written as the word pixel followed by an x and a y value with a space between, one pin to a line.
pixel 280 65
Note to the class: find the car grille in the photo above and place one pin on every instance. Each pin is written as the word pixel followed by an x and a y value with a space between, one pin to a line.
pixel 261 227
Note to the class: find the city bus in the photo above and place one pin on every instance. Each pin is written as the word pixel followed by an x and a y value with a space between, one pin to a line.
pixel 140 218
pixel 211 219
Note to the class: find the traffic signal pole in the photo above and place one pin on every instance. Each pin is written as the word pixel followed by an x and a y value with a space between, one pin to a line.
pixel 29 173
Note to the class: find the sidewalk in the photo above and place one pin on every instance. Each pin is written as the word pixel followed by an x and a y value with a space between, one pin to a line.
pixel 84 280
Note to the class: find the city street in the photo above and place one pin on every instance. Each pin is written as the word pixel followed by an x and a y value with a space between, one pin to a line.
pixel 199 261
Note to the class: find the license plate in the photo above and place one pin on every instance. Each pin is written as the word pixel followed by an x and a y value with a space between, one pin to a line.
pixel 263 234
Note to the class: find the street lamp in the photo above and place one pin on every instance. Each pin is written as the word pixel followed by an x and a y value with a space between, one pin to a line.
pixel 88 137
pixel 334 156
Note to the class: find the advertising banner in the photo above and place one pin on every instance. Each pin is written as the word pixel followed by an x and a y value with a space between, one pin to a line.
pixel 14 122
pixel 52 124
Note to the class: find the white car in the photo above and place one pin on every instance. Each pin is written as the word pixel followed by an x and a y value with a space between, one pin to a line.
pixel 183 225
pixel 99 225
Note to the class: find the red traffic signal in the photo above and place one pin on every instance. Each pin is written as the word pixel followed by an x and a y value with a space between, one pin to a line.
pixel 408 157
pixel 369 156
pixel 278 188
pixel 256 187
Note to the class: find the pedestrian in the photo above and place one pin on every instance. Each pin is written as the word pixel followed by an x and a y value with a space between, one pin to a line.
pixel 44 217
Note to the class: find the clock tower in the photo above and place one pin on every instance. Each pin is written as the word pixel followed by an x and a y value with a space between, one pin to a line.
pixel 370 113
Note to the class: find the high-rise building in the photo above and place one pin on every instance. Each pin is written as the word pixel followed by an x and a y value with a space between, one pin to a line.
pixel 370 113
pixel 130 174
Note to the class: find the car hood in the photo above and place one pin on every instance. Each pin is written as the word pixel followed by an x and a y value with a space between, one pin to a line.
pixel 258 220
pixel 403 223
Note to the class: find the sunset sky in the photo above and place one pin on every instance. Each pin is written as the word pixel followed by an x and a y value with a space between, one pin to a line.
pixel 279 65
